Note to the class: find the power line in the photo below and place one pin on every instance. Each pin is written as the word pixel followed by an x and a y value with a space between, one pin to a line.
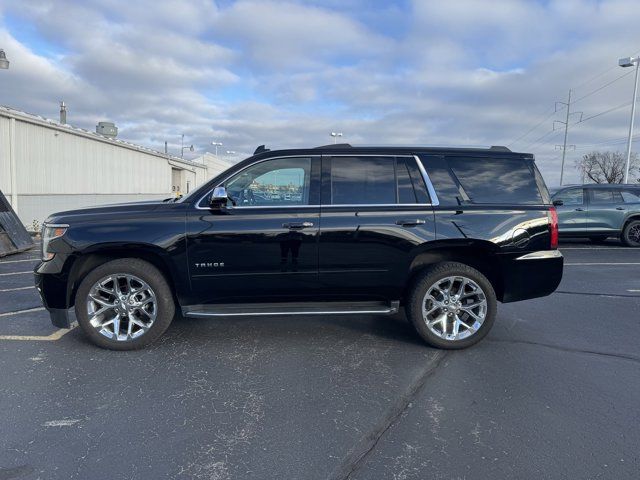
pixel 603 86
pixel 532 128
pixel 539 140
pixel 598 75
pixel 568 104
pixel 611 141
pixel 626 104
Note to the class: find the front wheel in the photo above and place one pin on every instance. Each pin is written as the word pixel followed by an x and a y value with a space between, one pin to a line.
pixel 631 234
pixel 452 305
pixel 124 304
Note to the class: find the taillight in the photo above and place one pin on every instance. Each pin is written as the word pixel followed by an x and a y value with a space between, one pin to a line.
pixel 553 227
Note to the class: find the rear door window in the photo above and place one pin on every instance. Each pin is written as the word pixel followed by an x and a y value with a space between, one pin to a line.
pixel 496 180
pixel 363 180
pixel 574 196
pixel 383 180
pixel 406 194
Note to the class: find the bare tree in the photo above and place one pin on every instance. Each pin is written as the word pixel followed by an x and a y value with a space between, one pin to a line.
pixel 608 167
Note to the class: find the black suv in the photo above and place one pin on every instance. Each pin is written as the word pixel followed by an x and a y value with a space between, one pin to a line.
pixel 444 232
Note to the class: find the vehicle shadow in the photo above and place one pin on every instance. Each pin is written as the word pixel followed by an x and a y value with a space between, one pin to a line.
pixel 394 328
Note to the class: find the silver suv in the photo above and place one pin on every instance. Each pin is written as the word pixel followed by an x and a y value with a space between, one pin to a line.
pixel 598 212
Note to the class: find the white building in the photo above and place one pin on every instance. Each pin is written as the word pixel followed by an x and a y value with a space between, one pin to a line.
pixel 47 167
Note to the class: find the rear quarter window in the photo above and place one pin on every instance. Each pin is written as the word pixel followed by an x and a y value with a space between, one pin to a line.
pixel 631 195
pixel 498 180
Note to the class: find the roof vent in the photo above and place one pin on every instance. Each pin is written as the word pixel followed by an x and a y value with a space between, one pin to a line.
pixel 107 129
pixel 499 148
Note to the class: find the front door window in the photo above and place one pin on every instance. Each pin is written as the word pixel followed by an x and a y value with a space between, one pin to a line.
pixel 274 183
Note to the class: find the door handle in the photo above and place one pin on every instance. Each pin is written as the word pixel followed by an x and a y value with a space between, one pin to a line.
pixel 410 223
pixel 579 209
pixel 297 226
pixel 620 208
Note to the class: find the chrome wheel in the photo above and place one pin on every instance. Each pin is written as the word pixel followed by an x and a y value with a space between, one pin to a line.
pixel 454 308
pixel 121 307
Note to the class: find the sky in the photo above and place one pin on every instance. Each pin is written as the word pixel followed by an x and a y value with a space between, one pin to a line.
pixel 287 73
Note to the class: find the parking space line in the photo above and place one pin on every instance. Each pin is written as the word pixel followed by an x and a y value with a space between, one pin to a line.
pixel 582 264
pixel 16 289
pixel 34 259
pixel 15 273
pixel 17 312
pixel 57 335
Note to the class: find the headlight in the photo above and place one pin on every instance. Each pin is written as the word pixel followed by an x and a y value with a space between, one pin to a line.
pixel 50 232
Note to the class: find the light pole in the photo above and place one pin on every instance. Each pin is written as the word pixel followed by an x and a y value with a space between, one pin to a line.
pixel 629 62
pixel 182 148
pixel 216 144
pixel 335 136
pixel 4 63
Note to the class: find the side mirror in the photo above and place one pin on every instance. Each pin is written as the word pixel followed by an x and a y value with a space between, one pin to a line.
pixel 218 198
pixel 558 203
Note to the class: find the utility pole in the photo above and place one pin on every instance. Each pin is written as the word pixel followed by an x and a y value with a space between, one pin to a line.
pixel 566 133
pixel 629 62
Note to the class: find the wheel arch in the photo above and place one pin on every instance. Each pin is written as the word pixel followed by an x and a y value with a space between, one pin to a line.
pixel 89 259
pixel 630 218
pixel 478 254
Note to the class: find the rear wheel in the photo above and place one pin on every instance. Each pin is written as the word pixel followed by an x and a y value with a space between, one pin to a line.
pixel 631 234
pixel 124 304
pixel 452 305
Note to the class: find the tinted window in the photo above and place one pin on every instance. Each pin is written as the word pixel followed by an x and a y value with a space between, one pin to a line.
pixel 605 196
pixel 496 180
pixel 443 182
pixel 575 196
pixel 405 187
pixel 631 196
pixel 277 182
pixel 419 187
pixel 362 180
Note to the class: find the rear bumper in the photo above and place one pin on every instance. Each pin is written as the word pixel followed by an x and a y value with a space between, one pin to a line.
pixel 533 275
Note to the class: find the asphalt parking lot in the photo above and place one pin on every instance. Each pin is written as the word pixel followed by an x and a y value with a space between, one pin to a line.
pixel 552 392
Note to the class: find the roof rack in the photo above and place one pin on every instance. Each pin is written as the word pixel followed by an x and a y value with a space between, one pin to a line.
pixel 336 145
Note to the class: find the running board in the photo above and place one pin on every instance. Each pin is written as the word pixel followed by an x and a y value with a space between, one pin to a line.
pixel 300 308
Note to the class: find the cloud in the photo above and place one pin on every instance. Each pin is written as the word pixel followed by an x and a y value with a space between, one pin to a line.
pixel 287 73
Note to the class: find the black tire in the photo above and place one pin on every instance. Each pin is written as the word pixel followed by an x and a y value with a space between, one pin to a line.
pixel 631 234
pixel 164 304
pixel 425 280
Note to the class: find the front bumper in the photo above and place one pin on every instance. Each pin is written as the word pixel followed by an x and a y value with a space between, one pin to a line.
pixel 533 275
pixel 51 284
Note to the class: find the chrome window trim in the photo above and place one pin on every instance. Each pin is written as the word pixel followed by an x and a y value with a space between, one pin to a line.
pixel 541 255
pixel 432 191
pixel 425 176
pixel 355 205
pixel 350 205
